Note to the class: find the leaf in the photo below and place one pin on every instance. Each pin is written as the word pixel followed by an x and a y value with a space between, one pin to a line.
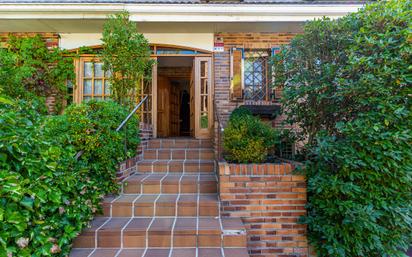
pixel 27 202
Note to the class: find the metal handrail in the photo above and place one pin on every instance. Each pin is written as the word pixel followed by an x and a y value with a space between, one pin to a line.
pixel 220 129
pixel 80 153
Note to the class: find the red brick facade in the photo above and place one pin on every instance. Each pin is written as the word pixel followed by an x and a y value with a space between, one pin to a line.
pixel 270 200
pixel 222 64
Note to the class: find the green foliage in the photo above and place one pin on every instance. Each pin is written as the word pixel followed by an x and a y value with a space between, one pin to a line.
pixel 90 127
pixel 28 67
pixel 126 55
pixel 247 139
pixel 348 84
pixel 46 196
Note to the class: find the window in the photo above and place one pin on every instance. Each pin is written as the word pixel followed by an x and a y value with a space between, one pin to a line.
pixel 255 75
pixel 94 81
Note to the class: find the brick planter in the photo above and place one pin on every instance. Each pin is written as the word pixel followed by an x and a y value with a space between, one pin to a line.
pixel 270 200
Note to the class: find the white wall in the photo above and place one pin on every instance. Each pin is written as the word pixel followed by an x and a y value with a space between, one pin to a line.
pixel 196 40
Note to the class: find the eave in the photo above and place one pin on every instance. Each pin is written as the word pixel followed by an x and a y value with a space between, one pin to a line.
pixel 177 13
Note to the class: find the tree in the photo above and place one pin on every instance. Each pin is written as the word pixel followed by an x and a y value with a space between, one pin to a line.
pixel 126 55
pixel 347 83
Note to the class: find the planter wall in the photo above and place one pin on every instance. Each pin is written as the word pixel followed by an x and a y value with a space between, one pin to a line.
pixel 270 200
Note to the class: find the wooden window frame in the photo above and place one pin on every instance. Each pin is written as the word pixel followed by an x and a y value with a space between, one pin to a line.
pixel 78 92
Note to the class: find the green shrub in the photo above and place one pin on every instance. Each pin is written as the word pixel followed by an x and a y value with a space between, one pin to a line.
pixel 46 198
pixel 353 102
pixel 90 127
pixel 246 138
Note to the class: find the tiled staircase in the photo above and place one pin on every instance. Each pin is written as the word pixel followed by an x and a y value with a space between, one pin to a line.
pixel 169 208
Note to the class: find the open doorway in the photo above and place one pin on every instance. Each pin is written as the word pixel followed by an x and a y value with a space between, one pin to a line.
pixel 174 80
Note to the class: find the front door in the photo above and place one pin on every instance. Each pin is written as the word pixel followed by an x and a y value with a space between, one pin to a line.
pixel 163 107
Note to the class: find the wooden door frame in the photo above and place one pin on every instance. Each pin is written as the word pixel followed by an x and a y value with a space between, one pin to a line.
pixel 208 57
pixel 154 98
pixel 206 133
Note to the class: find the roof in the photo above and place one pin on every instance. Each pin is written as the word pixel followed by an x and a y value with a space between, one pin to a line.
pixel 211 2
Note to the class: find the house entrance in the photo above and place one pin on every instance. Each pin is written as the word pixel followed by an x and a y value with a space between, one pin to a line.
pixel 179 93
pixel 174 75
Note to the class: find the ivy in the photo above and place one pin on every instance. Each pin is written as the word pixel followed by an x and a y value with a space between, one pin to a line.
pixel 29 68
pixel 46 196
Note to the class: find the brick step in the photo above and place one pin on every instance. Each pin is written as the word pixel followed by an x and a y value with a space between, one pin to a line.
pixel 172 183
pixel 159 143
pixel 154 252
pixel 139 232
pixel 171 205
pixel 176 166
pixel 179 154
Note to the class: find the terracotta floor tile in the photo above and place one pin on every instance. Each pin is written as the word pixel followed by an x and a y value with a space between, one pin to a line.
pixel 178 154
pixel 209 252
pixel 109 234
pixel 184 233
pixel 166 205
pixel 79 252
pixel 134 234
pixel 105 253
pixel 122 207
pixel 157 253
pixel 144 206
pixel 184 252
pixel 209 226
pixel 161 226
pixel 232 224
pixel 131 253
pixel 236 252
pixel 187 205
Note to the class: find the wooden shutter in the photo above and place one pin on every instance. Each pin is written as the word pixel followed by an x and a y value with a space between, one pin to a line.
pixel 236 76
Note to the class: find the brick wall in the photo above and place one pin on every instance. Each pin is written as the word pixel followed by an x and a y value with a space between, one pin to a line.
pixel 224 106
pixel 222 63
pixel 51 39
pixel 270 200
pixel 128 167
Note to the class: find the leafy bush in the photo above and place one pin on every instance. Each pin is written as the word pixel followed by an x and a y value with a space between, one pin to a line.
pixel 90 127
pixel 246 138
pixel 46 196
pixel 28 67
pixel 352 100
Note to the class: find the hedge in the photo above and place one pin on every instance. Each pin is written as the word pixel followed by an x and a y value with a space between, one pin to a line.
pixel 347 83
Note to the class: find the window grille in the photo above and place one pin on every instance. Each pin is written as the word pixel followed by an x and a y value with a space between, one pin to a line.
pixel 256 70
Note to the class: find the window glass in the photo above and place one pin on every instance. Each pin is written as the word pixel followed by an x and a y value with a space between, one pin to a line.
pixel 95 81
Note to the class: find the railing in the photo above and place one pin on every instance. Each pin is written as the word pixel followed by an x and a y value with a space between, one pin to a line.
pixel 220 129
pixel 124 122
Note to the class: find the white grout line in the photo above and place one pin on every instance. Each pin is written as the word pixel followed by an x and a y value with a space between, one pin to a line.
pixel 111 204
pixel 221 227
pixel 95 235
